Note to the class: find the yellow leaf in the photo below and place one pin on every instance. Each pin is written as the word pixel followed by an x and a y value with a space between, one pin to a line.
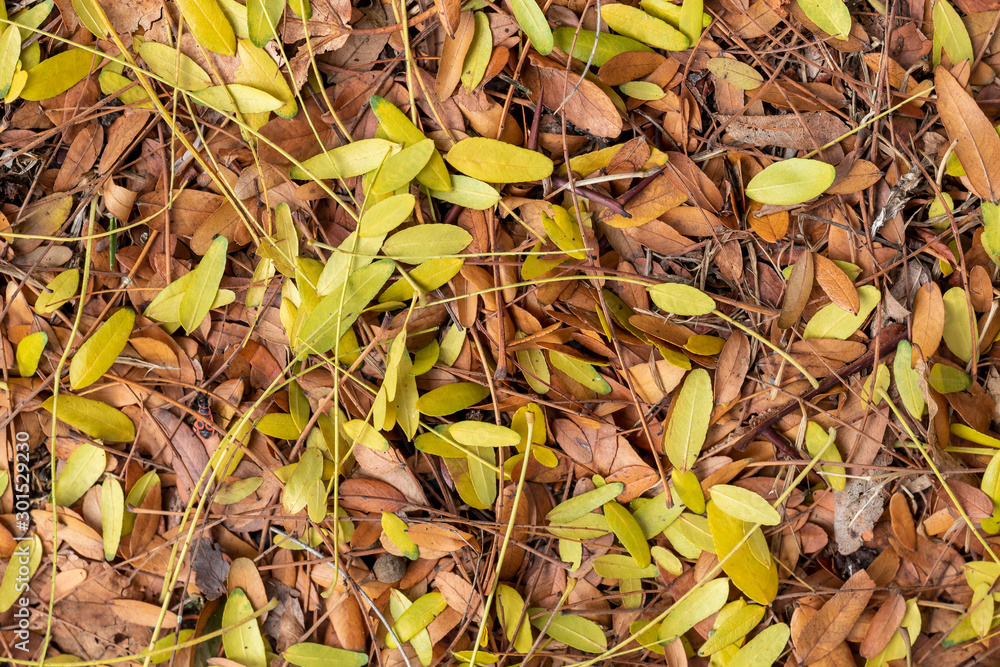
pixel 763 649
pixel 483 434
pixel 696 607
pixel 628 532
pixel 395 529
pixel 510 607
pixel 84 467
pixel 478 56
pixel 450 398
pixel 386 215
pixel 96 419
pixel 637 24
pixel 469 193
pixel 29 352
pixel 308 470
pixel 908 380
pixel 735 73
pixel 957 324
pixel 112 515
pixel 397 127
pixel 237 97
pixel 199 297
pixel 950 34
pixel 758 583
pixel 209 25
pixel 791 181
pixel 259 70
pixel 574 631
pixel 744 504
pixel 58 74
pixel 495 161
pixel 244 643
pixel 236 491
pixel 681 299
pixel 584 504
pixel 401 168
pixel 947 379
pixel 580 371
pixel 93 18
pixel 734 628
pixel 832 321
pixel 581 43
pixel 10 52
pixel 832 16
pixel 174 67
pixel 28 554
pixel 532 21
pixel 418 244
pixel 318 655
pixel 354 159
pixel 620 566
pixel 688 489
pixel 418 615
pixel 263 17
pixel 99 353
pixel 688 426
pixel 822 445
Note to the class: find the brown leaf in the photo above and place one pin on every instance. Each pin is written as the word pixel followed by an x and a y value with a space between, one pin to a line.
pixel 928 320
pixel 883 626
pixel 588 107
pixel 630 66
pixel 836 284
pixel 804 131
pixel 902 521
pixel 453 56
pixel 734 362
pixel 828 628
pixel 978 146
pixel 797 290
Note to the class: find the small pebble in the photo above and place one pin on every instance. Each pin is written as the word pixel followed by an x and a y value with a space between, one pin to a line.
pixel 390 568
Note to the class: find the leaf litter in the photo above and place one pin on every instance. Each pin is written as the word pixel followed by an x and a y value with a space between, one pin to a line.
pixel 499 333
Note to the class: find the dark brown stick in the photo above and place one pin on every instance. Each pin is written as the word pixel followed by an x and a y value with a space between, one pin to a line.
pixel 593 196
pixel 887 349
pixel 639 187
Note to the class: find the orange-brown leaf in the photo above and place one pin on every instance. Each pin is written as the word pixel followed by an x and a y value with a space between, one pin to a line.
pixel 827 629
pixel 928 319
pixel 978 147
pixel 902 521
pixel 836 284
pixel 883 626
